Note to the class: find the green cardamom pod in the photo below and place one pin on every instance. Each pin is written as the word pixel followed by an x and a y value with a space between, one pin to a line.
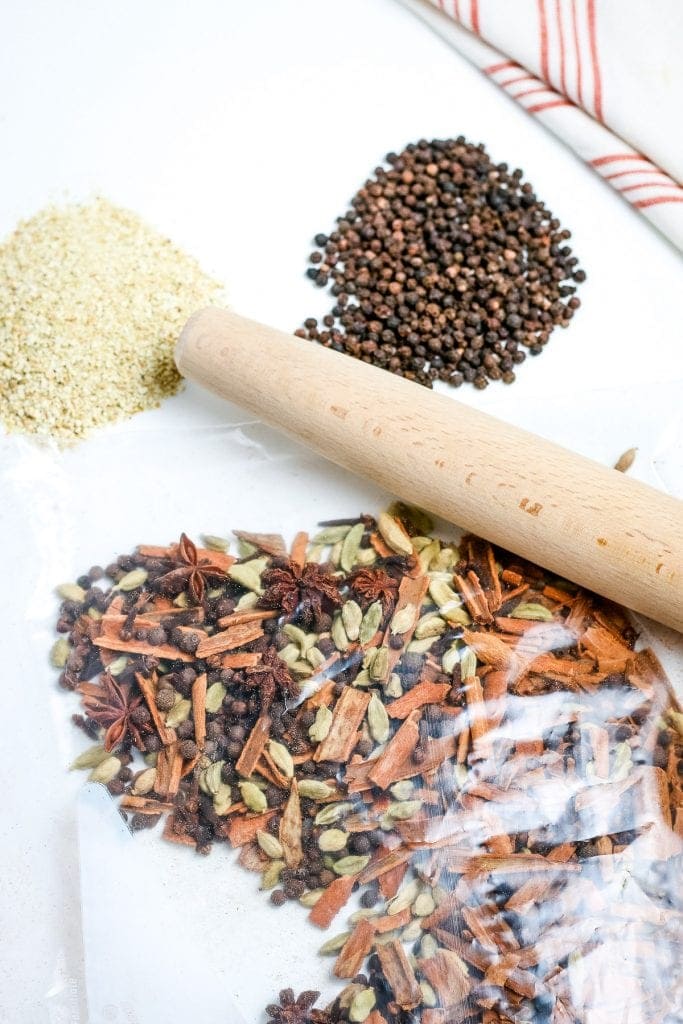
pixel 311 789
pixel 320 728
pixel 248 574
pixel 332 840
pixel 331 813
pixel 362 1005
pixel 106 770
pixel 403 619
pixel 132 580
pixel 449 660
pixel 310 898
pixel 421 646
pixel 366 556
pixel 315 657
pixel 429 997
pixel 270 845
pixel 412 931
pixel 90 758
pixel 214 543
pixel 351 865
pixel 222 799
pixel 430 625
pixel 60 652
pixel 370 623
pixel 214 697
pixel 468 663
pixel 404 809
pixel 334 944
pixel 117 666
pixel 331 535
pixel 180 712
pixel 351 546
pixel 339 637
pixel 392 687
pixel 352 617
pixel 295 634
pixel 394 534
pixel 380 665
pixel 71 592
pixel 424 905
pixel 378 720
pixel 253 797
pixel 271 875
pixel 282 758
pixel 532 611
pixel 429 947
pixel 144 782
pixel 405 897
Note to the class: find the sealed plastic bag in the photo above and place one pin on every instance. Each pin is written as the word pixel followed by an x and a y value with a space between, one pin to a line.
pixel 455 776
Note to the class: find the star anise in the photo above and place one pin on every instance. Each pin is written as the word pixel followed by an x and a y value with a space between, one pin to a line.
pixel 271 675
pixel 190 572
pixel 374 585
pixel 293 1010
pixel 112 705
pixel 301 593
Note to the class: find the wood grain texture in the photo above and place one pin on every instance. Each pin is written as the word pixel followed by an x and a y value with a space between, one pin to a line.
pixel 582 520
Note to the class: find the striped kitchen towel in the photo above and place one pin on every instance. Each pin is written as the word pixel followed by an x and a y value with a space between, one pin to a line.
pixel 604 75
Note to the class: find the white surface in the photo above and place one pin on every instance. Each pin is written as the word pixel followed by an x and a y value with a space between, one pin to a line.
pixel 240 130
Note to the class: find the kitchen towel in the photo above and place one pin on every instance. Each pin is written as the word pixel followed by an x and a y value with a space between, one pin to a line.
pixel 604 75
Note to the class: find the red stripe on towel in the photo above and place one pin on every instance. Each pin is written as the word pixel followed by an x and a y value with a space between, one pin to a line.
pixel 577 53
pixel 543 36
pixel 560 31
pixel 656 200
pixel 597 81
pixel 547 106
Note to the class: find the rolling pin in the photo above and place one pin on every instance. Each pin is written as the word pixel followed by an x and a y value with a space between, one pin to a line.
pixel 581 520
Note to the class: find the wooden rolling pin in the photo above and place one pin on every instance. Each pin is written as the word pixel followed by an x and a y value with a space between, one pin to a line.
pixel 591 524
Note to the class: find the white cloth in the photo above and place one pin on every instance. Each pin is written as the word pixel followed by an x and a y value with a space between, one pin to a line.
pixel 604 75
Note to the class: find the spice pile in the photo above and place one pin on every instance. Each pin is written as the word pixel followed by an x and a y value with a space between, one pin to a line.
pixel 470 746
pixel 91 304
pixel 446 267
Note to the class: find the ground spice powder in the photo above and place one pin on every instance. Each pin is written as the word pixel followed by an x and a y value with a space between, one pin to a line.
pixel 91 303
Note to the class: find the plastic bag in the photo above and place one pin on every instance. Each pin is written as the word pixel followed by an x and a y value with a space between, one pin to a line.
pixel 495 809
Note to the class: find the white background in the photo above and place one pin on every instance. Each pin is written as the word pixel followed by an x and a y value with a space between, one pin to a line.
pixel 241 130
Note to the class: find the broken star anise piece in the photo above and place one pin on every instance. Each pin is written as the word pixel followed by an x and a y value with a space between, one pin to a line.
pixel 374 585
pixel 303 593
pixel 111 706
pixel 292 1010
pixel 271 675
pixel 190 572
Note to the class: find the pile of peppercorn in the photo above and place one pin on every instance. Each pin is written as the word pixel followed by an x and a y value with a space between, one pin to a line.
pixel 446 266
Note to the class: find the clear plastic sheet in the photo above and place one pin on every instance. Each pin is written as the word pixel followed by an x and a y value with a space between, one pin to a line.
pixel 500 765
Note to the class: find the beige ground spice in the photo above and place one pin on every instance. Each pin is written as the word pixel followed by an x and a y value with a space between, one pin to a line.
pixel 91 304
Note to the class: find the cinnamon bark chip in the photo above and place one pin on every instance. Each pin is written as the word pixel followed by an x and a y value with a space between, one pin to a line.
pixel 334 897
pixel 399 975
pixel 448 976
pixel 417 697
pixel 348 714
pixel 355 950
pixel 244 830
pixel 387 768
pixel 290 829
pixel 254 747
pixel 227 640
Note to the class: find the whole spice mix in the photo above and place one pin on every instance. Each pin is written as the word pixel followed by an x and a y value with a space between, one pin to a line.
pixel 92 300
pixel 447 266
pixel 470 752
